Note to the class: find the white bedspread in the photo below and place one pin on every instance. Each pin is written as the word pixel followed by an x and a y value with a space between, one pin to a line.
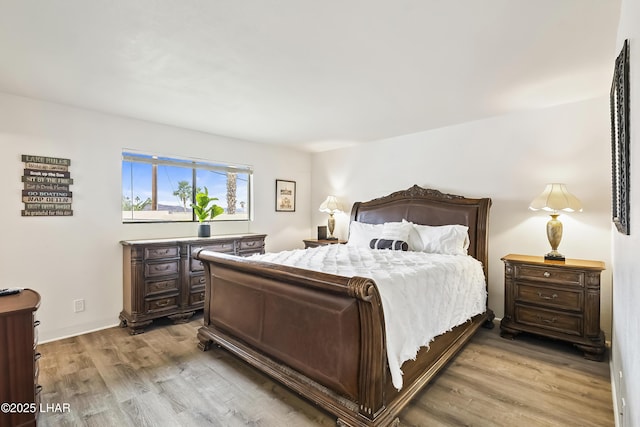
pixel 423 295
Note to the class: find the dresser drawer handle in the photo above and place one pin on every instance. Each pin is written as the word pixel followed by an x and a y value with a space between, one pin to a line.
pixel 163 267
pixel 202 280
pixel 163 303
pixel 37 357
pixel 552 297
pixel 38 388
pixel 250 243
pixel 547 274
pixel 548 321
pixel 36 323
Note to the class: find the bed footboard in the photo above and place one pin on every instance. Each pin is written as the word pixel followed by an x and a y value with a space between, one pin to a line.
pixel 321 335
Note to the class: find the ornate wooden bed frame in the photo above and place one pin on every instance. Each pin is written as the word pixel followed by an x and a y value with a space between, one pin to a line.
pixel 323 335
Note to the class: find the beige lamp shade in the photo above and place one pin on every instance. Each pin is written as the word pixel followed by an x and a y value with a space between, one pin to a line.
pixel 554 198
pixel 331 206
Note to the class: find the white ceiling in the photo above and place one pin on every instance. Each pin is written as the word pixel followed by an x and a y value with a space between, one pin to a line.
pixel 314 74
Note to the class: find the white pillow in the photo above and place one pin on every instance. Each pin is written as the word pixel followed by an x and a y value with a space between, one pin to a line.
pixel 444 239
pixel 361 233
pixel 396 231
pixel 415 242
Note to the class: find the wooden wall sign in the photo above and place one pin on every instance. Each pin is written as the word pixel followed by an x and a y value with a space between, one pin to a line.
pixel 46 186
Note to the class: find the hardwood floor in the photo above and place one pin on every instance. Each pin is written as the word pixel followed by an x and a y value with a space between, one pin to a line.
pixel 160 378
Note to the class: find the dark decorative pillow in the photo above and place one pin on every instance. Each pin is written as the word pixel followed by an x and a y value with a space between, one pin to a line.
pixel 394 245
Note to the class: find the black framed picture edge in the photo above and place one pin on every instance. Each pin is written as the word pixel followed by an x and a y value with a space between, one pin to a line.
pixel 285 195
pixel 620 142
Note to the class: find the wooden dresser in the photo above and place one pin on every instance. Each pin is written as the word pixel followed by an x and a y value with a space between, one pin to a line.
pixel 556 299
pixel 161 279
pixel 19 359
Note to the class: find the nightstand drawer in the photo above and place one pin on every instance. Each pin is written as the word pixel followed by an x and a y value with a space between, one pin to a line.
pixel 565 323
pixel 550 275
pixel 550 297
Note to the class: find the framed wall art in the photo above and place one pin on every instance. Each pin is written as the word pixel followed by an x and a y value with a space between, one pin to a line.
pixel 619 103
pixel 285 196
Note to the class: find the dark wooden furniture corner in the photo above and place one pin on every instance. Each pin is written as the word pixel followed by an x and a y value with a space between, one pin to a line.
pixel 19 359
pixel 555 299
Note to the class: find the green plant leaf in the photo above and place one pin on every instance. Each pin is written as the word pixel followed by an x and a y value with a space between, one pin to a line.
pixel 202 209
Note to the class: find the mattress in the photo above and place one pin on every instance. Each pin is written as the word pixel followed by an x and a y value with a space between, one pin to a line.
pixel 423 295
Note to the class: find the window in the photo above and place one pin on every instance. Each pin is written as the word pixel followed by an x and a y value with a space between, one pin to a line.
pixel 161 189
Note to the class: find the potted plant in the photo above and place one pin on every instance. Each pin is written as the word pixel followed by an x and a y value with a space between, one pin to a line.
pixel 204 209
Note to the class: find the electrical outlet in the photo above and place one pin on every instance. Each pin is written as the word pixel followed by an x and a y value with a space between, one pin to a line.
pixel 78 305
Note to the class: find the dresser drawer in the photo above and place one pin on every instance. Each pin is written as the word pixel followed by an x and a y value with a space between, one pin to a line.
pixel 197 281
pixel 155 269
pixel 550 275
pixel 161 252
pixel 159 304
pixel 196 298
pixel 153 287
pixel 196 265
pixel 248 245
pixel 226 246
pixel 552 297
pixel 551 320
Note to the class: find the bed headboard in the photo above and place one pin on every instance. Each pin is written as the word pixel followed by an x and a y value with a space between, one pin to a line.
pixel 431 207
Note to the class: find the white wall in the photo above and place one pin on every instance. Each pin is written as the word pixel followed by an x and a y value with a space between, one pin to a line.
pixel 508 158
pixel 68 258
pixel 626 290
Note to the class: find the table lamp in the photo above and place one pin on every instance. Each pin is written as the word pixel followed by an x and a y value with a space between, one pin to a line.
pixel 554 198
pixel 331 206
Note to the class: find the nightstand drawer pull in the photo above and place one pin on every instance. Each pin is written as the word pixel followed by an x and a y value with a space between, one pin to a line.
pixel 552 297
pixel 547 274
pixel 548 321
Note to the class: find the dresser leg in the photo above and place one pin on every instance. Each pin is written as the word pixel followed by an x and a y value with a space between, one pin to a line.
pixel 138 327
pixel 595 353
pixel 181 317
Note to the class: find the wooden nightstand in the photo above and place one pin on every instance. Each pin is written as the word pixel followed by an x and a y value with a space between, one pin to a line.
pixel 555 299
pixel 314 243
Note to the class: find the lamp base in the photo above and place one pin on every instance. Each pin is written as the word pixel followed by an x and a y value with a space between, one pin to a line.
pixel 554 256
